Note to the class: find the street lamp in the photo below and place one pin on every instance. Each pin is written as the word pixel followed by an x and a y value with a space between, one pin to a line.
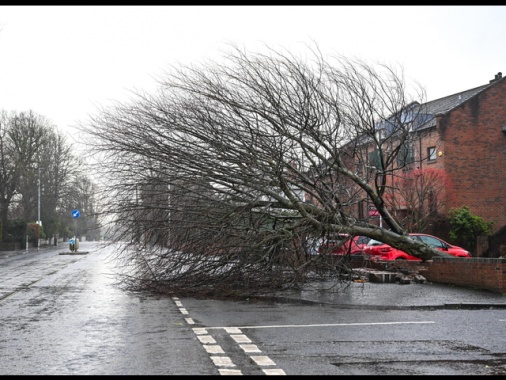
pixel 39 222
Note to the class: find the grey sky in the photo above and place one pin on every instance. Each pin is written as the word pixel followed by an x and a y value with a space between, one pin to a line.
pixel 64 61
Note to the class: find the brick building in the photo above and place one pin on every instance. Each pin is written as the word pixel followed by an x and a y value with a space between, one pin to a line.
pixel 466 137
pixel 463 136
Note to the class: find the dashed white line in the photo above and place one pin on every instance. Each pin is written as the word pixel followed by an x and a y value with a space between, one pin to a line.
pixel 262 360
pixel 233 330
pixel 213 349
pixel 189 321
pixel 233 372
pixel 240 338
pixel 249 348
pixel 206 339
pixel 222 361
pixel 273 371
pixel 199 330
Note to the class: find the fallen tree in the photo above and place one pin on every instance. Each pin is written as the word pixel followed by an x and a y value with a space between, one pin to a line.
pixel 238 164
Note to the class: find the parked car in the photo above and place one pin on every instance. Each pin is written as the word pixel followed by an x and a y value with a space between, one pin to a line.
pixel 381 251
pixel 342 244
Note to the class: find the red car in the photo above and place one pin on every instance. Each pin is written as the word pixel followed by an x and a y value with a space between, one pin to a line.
pixel 342 244
pixel 382 251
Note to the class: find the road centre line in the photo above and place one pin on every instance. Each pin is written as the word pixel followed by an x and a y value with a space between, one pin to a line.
pixel 322 325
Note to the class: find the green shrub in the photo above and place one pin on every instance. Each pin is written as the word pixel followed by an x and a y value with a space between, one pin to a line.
pixel 465 228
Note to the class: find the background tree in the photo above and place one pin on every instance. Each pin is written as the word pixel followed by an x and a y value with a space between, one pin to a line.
pixel 9 169
pixel 33 152
pixel 241 161
pixel 419 198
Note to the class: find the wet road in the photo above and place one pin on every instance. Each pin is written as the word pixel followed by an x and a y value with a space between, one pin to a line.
pixel 63 315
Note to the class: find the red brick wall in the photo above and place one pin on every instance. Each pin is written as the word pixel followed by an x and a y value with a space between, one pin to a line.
pixel 480 273
pixel 475 154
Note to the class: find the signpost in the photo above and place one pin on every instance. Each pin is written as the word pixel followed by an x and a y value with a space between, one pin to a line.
pixel 74 242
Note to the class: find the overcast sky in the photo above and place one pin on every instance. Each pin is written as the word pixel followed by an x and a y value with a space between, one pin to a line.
pixel 65 61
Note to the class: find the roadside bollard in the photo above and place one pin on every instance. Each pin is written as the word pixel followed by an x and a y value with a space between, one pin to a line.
pixel 72 245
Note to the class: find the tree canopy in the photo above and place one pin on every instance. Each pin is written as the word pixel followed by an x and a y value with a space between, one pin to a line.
pixel 38 168
pixel 222 176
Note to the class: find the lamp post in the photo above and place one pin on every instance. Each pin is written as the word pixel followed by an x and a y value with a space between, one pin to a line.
pixel 39 222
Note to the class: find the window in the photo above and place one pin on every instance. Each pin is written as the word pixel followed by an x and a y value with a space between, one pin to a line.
pixel 361 209
pixel 363 240
pixel 375 159
pixel 433 242
pixel 406 155
pixel 431 153
pixel 360 168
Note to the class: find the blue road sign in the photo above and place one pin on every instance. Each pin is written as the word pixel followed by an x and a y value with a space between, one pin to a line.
pixel 75 213
pixel 71 241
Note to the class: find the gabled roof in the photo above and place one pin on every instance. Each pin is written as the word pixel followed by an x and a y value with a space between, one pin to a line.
pixel 448 103
pixel 423 116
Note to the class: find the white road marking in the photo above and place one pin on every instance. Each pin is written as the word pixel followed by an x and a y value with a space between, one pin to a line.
pixel 222 361
pixel 249 348
pixel 206 339
pixel 324 325
pixel 233 372
pixel 233 330
pixel 199 330
pixel 213 349
pixel 240 338
pixel 273 371
pixel 235 333
pixel 262 360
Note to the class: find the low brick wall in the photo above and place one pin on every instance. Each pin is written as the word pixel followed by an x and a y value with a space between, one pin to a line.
pixel 475 272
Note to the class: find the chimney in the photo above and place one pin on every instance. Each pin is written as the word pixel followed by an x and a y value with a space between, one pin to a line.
pixel 497 77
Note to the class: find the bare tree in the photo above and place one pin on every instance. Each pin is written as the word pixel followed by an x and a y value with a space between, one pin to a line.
pixel 419 197
pixel 9 171
pixel 35 157
pixel 224 174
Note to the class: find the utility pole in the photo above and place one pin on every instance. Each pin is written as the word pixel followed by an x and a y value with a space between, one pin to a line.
pixel 39 222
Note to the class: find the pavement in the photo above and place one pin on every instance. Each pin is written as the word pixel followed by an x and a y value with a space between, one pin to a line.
pixel 61 247
pixel 370 295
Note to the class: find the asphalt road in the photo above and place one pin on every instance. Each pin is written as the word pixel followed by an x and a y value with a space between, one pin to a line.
pixel 62 314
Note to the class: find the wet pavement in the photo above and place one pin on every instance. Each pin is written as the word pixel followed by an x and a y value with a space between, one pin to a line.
pixel 395 296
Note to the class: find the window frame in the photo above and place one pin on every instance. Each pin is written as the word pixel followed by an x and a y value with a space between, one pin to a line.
pixel 431 154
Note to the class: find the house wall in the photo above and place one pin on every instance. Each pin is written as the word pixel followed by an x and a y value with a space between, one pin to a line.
pixel 475 154
pixel 430 138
